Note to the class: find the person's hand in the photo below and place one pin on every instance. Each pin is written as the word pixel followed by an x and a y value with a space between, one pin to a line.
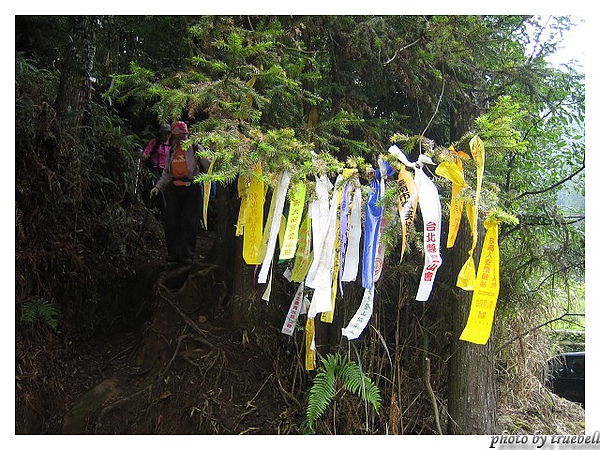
pixel 154 192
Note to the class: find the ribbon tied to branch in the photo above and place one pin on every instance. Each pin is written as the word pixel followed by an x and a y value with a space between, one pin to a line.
pixel 431 211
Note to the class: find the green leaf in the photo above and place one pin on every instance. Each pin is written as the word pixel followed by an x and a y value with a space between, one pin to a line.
pixel 336 369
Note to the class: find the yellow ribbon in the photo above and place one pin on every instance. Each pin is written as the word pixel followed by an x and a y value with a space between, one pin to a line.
pixel 407 204
pixel 466 276
pixel 309 360
pixel 282 227
pixel 290 237
pixel 487 287
pixel 206 197
pixel 304 256
pixel 262 251
pixel 253 219
pixel 453 171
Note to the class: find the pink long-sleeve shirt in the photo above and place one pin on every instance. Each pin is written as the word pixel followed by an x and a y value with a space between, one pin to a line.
pixel 160 156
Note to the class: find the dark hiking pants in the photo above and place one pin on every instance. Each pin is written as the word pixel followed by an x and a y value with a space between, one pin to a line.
pixel 182 220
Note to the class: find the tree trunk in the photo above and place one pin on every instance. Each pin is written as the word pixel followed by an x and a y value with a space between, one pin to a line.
pixel 471 382
pixel 243 303
pixel 75 89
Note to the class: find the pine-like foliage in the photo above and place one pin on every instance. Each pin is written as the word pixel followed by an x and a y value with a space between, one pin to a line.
pixel 338 370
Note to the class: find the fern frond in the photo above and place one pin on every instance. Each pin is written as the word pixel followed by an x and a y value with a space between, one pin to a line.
pixel 359 384
pixel 338 368
pixel 321 394
pixel 38 310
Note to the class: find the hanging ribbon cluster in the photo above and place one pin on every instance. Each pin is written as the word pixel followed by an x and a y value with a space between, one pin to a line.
pixel 485 281
pixel 431 210
pixel 323 236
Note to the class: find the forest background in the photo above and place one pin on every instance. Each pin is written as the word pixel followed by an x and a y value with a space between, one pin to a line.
pixel 337 117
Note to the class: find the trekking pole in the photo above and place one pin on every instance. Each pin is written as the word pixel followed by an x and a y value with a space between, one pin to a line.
pixel 137 177
pixel 138 174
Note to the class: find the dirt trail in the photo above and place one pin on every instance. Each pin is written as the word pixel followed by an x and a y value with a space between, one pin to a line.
pixel 188 373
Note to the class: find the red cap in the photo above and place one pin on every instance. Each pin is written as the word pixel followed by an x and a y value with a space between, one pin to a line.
pixel 179 128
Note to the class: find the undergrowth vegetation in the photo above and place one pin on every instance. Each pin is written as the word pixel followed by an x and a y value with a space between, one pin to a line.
pixel 76 215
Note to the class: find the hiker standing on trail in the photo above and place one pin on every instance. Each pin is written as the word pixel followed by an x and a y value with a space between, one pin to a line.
pixel 154 158
pixel 183 196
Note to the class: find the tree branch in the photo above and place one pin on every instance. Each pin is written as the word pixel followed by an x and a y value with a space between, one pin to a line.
pixel 537 327
pixel 400 50
pixel 437 106
pixel 552 186
pixel 432 395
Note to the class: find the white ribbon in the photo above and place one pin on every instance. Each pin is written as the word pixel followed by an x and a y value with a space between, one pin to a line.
pixel 282 188
pixel 319 213
pixel 305 304
pixel 423 159
pixel 431 211
pixel 361 317
pixel 429 203
pixel 354 231
pixel 267 294
pixel 319 275
pixel 295 310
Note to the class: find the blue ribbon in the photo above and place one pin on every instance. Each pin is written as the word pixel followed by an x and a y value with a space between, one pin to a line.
pixel 344 204
pixel 373 214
